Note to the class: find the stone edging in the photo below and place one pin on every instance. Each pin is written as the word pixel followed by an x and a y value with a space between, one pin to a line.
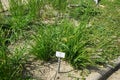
pixel 103 75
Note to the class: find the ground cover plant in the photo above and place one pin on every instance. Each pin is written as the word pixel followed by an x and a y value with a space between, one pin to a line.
pixel 11 65
pixel 93 41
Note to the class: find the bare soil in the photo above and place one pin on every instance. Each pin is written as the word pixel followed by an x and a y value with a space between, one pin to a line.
pixel 115 76
pixel 48 71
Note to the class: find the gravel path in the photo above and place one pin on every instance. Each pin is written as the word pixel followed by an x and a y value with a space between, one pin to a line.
pixel 115 76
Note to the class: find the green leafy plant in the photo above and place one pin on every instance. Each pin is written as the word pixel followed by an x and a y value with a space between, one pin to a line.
pixel 10 63
pixel 83 11
pixel 11 67
pixel 84 46
pixel 64 37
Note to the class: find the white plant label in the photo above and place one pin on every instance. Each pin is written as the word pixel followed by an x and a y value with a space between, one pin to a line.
pixel 60 54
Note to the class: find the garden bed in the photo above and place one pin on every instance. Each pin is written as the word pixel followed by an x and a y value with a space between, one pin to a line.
pixel 32 32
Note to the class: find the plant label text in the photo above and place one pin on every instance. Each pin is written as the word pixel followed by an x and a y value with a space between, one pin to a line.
pixel 60 54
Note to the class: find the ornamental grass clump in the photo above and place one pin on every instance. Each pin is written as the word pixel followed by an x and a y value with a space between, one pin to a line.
pixel 84 46
pixel 64 37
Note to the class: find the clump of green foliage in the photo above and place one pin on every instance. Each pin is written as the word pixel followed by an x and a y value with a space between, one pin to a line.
pixel 89 43
pixel 79 43
pixel 10 67
pixel 83 11
pixel 11 64
pixel 64 37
